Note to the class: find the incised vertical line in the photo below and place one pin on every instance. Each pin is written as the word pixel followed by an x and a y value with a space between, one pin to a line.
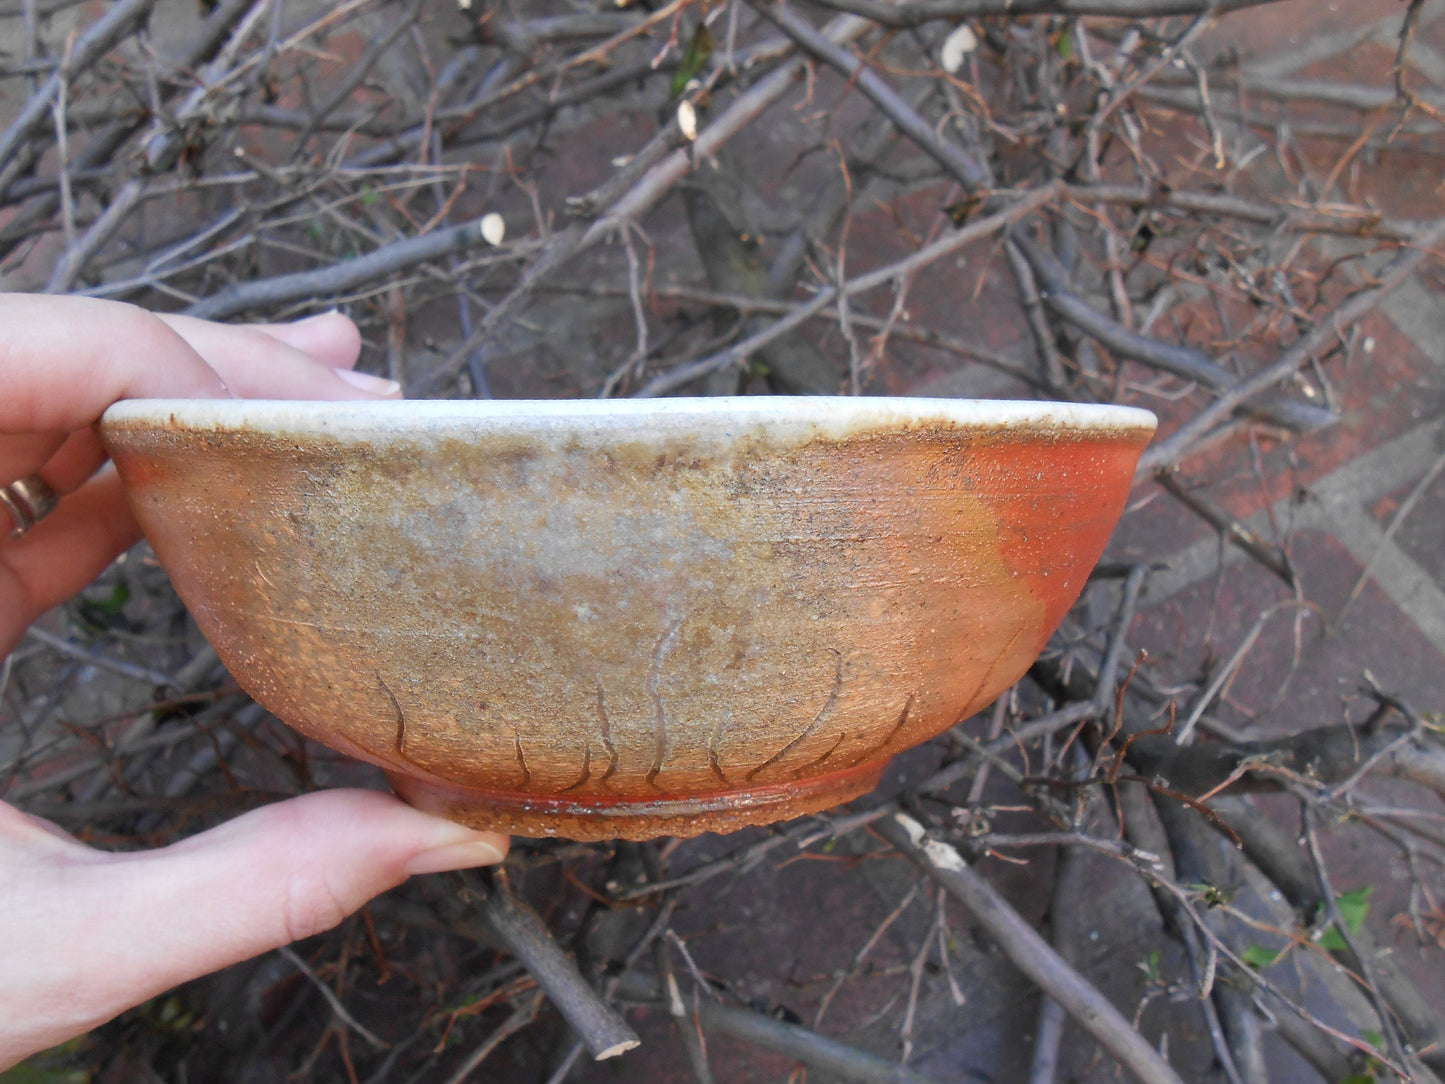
pixel 607 745
pixel 871 753
pixel 713 761
pixel 521 760
pixel 812 727
pixel 659 712
pixel 400 716
pixel 586 768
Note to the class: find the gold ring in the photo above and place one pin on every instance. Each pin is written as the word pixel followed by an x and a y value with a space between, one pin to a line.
pixel 30 499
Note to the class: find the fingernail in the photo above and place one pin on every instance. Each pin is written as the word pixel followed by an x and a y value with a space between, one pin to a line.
pixel 476 852
pixel 372 385
pixel 318 316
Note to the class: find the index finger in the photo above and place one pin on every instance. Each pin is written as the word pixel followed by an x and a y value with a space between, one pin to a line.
pixel 63 360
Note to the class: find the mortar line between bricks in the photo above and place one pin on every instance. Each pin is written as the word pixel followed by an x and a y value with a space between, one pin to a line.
pixel 1327 47
pixel 1335 504
pixel 1415 311
pixel 1409 586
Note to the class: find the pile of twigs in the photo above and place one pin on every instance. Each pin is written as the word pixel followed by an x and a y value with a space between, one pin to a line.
pixel 1075 199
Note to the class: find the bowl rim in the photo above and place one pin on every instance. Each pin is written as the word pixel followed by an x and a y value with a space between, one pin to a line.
pixel 820 414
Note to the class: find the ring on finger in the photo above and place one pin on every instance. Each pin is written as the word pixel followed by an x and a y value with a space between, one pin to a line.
pixel 29 499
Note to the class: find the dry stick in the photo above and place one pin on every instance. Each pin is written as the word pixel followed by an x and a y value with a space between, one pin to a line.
pixel 609 988
pixel 963 166
pixel 1182 361
pixel 339 277
pixel 974 176
pixel 1271 557
pixel 1068 890
pixel 1388 1025
pixel 687 1025
pixel 142 674
pixel 120 206
pixel 97 40
pixel 1322 91
pixel 916 14
pixel 597 1023
pixel 629 195
pixel 329 994
pixel 1051 363
pixel 686 374
pixel 1028 950
pixel 816 1051
pixel 521 1016
pixel 1225 675
pixel 1277 855
pixel 745 304
pixel 1168 452
pixel 844 975
pixel 1352 221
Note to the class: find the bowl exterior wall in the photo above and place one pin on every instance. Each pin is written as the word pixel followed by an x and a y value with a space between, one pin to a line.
pixel 565 633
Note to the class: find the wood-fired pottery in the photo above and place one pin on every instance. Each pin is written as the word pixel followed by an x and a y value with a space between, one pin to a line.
pixel 626 618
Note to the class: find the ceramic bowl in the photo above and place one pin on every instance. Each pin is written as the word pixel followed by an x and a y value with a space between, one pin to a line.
pixel 602 619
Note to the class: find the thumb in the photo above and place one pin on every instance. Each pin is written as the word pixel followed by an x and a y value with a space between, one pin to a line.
pixel 90 934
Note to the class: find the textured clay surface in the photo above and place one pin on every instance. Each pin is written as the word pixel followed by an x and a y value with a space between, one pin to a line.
pixel 592 634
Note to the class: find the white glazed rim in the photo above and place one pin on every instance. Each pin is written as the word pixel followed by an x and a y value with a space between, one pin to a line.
pixel 823 414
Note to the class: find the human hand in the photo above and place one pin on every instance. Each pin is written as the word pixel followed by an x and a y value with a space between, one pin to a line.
pixel 86 934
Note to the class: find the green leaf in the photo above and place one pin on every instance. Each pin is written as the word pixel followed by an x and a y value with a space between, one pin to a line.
pixel 698 50
pixel 1065 45
pixel 119 596
pixel 50 1066
pixel 26 1073
pixel 1374 1038
pixel 1150 966
pixel 1358 1078
pixel 1259 957
pixel 1354 907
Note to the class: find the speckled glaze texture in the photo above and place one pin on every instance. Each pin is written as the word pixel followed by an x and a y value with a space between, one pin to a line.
pixel 626 620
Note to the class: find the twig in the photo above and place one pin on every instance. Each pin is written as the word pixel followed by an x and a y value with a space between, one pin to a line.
pixel 961 164
pixel 143 674
pixel 925 11
pixel 1169 451
pixel 98 39
pixel 521 1016
pixel 1353 221
pixel 1271 557
pixel 600 1026
pixel 1363 959
pixel 329 994
pixel 1028 950
pixel 816 1051
pixel 825 297
pixel 336 278
pixel 1063 899
pixel 1183 361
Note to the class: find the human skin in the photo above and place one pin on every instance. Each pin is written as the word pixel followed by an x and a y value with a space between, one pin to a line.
pixel 86 934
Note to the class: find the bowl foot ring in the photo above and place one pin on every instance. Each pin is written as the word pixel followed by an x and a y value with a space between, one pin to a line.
pixel 523 814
